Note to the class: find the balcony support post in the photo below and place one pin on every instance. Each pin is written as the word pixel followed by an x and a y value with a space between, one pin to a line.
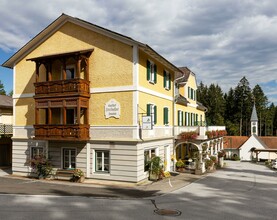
pixel 78 68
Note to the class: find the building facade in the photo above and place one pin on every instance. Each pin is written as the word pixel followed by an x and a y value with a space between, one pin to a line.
pixel 90 98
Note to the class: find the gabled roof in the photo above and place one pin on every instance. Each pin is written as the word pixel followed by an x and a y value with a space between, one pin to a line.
pixel 234 142
pixel 6 101
pixel 271 142
pixel 260 141
pixel 60 21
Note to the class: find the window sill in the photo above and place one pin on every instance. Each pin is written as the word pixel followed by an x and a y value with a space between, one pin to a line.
pixel 151 82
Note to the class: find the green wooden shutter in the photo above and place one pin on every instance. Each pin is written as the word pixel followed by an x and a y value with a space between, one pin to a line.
pixel 182 118
pixel 165 78
pixel 155 73
pixel 155 114
pixel 178 117
pixel 148 70
pixel 148 109
pixel 188 119
pixel 169 81
pixel 165 115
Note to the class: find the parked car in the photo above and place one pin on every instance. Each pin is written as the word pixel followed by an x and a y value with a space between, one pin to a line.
pixel 274 164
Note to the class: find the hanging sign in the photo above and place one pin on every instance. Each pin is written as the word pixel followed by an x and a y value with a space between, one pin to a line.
pixel 112 109
pixel 147 123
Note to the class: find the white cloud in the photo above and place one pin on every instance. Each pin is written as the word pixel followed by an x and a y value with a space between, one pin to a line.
pixel 220 40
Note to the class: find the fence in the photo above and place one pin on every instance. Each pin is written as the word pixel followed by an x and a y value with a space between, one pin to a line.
pixel 6 129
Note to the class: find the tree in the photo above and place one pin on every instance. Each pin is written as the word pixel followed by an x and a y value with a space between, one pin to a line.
pixel 244 104
pixel 261 103
pixel 2 90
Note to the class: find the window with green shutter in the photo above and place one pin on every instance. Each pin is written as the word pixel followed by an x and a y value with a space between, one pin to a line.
pixel 166 121
pixel 167 80
pixel 180 118
pixel 151 72
pixel 152 111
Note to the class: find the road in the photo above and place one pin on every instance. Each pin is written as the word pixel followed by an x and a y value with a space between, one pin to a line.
pixel 240 191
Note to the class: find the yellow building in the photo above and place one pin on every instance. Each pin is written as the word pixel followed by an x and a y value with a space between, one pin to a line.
pixel 90 98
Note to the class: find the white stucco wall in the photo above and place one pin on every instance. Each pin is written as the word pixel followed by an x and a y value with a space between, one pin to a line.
pixel 245 150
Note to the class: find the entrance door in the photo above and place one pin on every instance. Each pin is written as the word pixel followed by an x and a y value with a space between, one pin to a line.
pixel 69 158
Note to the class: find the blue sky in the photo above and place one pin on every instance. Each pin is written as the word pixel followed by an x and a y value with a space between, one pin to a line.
pixel 219 40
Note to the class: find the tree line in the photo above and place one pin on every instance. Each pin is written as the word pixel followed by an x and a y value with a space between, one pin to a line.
pixel 2 90
pixel 234 108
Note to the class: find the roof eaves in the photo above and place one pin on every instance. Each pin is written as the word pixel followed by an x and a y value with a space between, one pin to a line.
pixel 34 41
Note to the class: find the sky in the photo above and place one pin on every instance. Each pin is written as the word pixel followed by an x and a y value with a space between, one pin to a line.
pixel 219 40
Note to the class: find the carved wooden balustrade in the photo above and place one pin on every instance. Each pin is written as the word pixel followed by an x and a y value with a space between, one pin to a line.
pixel 61 87
pixel 62 132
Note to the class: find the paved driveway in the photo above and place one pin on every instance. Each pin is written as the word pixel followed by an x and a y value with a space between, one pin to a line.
pixel 242 191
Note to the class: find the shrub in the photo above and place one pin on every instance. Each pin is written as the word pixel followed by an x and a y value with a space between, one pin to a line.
pixel 213 158
pixel 235 157
pixel 180 164
pixel 41 166
pixel 208 163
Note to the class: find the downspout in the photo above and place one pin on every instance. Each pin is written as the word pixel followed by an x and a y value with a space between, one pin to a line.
pixel 174 112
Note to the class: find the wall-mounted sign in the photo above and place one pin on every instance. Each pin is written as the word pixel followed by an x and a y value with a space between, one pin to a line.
pixel 112 109
pixel 146 123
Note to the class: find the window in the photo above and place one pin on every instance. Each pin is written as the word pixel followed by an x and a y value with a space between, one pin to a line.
pixel 37 151
pixel 148 155
pixel 69 158
pixel 151 72
pixel 152 111
pixel 71 116
pixel 70 72
pixel 167 80
pixel 166 121
pixel 180 118
pixel 102 161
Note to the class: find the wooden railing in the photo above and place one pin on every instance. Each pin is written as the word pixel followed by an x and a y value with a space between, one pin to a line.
pixel 79 86
pixel 62 132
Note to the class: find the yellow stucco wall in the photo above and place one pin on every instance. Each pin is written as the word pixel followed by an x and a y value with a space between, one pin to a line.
pixel 97 109
pixel 24 111
pixel 159 86
pixel 110 63
pixel 145 99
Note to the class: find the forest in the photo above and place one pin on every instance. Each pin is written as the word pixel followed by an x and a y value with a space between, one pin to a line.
pixel 234 108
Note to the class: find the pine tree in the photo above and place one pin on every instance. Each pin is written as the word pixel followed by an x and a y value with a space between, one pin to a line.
pixel 2 90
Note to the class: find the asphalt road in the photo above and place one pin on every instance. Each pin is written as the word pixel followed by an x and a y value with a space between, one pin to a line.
pixel 241 191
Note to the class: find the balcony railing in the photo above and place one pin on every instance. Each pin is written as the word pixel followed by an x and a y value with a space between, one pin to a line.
pixel 6 129
pixel 62 132
pixel 79 86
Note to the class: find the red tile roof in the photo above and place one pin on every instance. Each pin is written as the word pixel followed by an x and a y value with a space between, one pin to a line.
pixel 234 142
pixel 271 142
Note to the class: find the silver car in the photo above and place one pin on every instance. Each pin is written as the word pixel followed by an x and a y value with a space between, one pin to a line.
pixel 274 164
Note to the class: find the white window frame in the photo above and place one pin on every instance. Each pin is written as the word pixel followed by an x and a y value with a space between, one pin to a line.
pixel 152 72
pixel 167 82
pixel 62 155
pixel 32 155
pixel 102 161
pixel 152 113
pixel 181 120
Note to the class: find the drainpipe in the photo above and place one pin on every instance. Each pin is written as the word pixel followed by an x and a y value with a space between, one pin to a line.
pixel 174 109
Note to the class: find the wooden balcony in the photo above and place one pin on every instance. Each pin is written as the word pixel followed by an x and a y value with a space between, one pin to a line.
pixel 62 132
pixel 62 87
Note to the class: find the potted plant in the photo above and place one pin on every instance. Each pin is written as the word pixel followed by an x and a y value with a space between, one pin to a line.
pixel 180 165
pixel 155 168
pixel 209 165
pixel 78 176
